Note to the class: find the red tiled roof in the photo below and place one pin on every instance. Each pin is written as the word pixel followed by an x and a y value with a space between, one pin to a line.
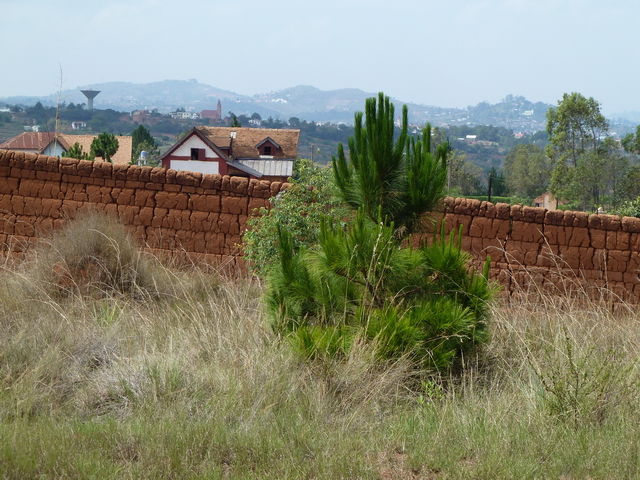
pixel 31 141
pixel 244 145
pixel 38 141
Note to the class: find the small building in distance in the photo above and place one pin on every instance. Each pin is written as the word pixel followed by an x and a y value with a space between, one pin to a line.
pixel 215 115
pixel 263 153
pixel 546 200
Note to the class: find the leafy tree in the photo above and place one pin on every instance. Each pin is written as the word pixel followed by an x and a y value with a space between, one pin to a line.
pixel 256 116
pixel 297 210
pixel 364 282
pixel 587 164
pixel 593 182
pixel 631 142
pixel 104 146
pixel 575 126
pixel 629 185
pixel 497 183
pixel 294 122
pixel 527 171
pixel 76 152
pixel 463 176
pixel 597 176
pixel 141 139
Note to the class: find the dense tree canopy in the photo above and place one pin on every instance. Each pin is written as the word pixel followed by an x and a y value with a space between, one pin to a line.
pixel 631 142
pixel 575 127
pixel 463 178
pixel 141 139
pixel 527 171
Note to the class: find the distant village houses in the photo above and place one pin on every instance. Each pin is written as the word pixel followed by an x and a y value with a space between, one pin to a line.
pixel 55 145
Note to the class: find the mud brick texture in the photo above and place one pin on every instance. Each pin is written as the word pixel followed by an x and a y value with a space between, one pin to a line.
pixel 174 214
pixel 201 218
pixel 534 250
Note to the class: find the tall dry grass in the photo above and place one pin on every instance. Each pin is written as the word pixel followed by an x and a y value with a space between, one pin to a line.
pixel 178 375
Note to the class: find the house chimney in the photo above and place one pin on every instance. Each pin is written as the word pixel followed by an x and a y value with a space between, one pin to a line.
pixel 232 135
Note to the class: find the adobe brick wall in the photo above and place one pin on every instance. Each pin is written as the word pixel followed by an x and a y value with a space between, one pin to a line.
pixel 550 250
pixel 203 217
pixel 172 213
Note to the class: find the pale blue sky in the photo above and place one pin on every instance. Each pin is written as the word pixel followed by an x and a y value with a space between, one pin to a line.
pixel 450 53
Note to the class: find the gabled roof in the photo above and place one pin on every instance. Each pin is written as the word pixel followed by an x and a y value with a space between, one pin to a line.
pixel 215 147
pixel 32 141
pixel 268 139
pixel 207 141
pixel 246 142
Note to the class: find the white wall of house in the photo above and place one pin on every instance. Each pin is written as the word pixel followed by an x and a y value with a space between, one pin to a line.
pixel 193 141
pixel 195 166
pixel 54 150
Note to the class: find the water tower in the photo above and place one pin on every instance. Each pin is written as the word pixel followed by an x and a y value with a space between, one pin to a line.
pixel 90 94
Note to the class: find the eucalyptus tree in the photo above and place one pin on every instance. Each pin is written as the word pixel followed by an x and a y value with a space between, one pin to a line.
pixel 586 163
pixel 575 126
pixel 631 142
pixel 527 171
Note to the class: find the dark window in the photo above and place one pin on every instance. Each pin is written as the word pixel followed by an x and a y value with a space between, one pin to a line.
pixel 267 150
pixel 195 153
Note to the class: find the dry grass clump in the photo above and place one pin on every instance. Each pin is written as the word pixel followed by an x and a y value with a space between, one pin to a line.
pixel 93 255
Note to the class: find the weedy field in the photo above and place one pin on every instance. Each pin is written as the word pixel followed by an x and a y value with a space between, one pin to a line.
pixel 115 366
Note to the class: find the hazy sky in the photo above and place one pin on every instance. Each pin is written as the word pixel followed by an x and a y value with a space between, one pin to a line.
pixel 448 53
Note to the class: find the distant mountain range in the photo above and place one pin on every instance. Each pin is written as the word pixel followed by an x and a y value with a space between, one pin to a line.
pixel 305 102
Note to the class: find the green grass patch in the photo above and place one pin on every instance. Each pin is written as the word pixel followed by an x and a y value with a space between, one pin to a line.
pixel 192 383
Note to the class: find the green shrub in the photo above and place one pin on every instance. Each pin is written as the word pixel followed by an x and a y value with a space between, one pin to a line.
pixel 421 302
pixel 297 210
pixel 630 208
pixel 363 281
pixel 578 389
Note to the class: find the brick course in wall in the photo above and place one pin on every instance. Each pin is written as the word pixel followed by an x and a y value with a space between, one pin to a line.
pixel 172 213
pixel 550 250
pixel 204 216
